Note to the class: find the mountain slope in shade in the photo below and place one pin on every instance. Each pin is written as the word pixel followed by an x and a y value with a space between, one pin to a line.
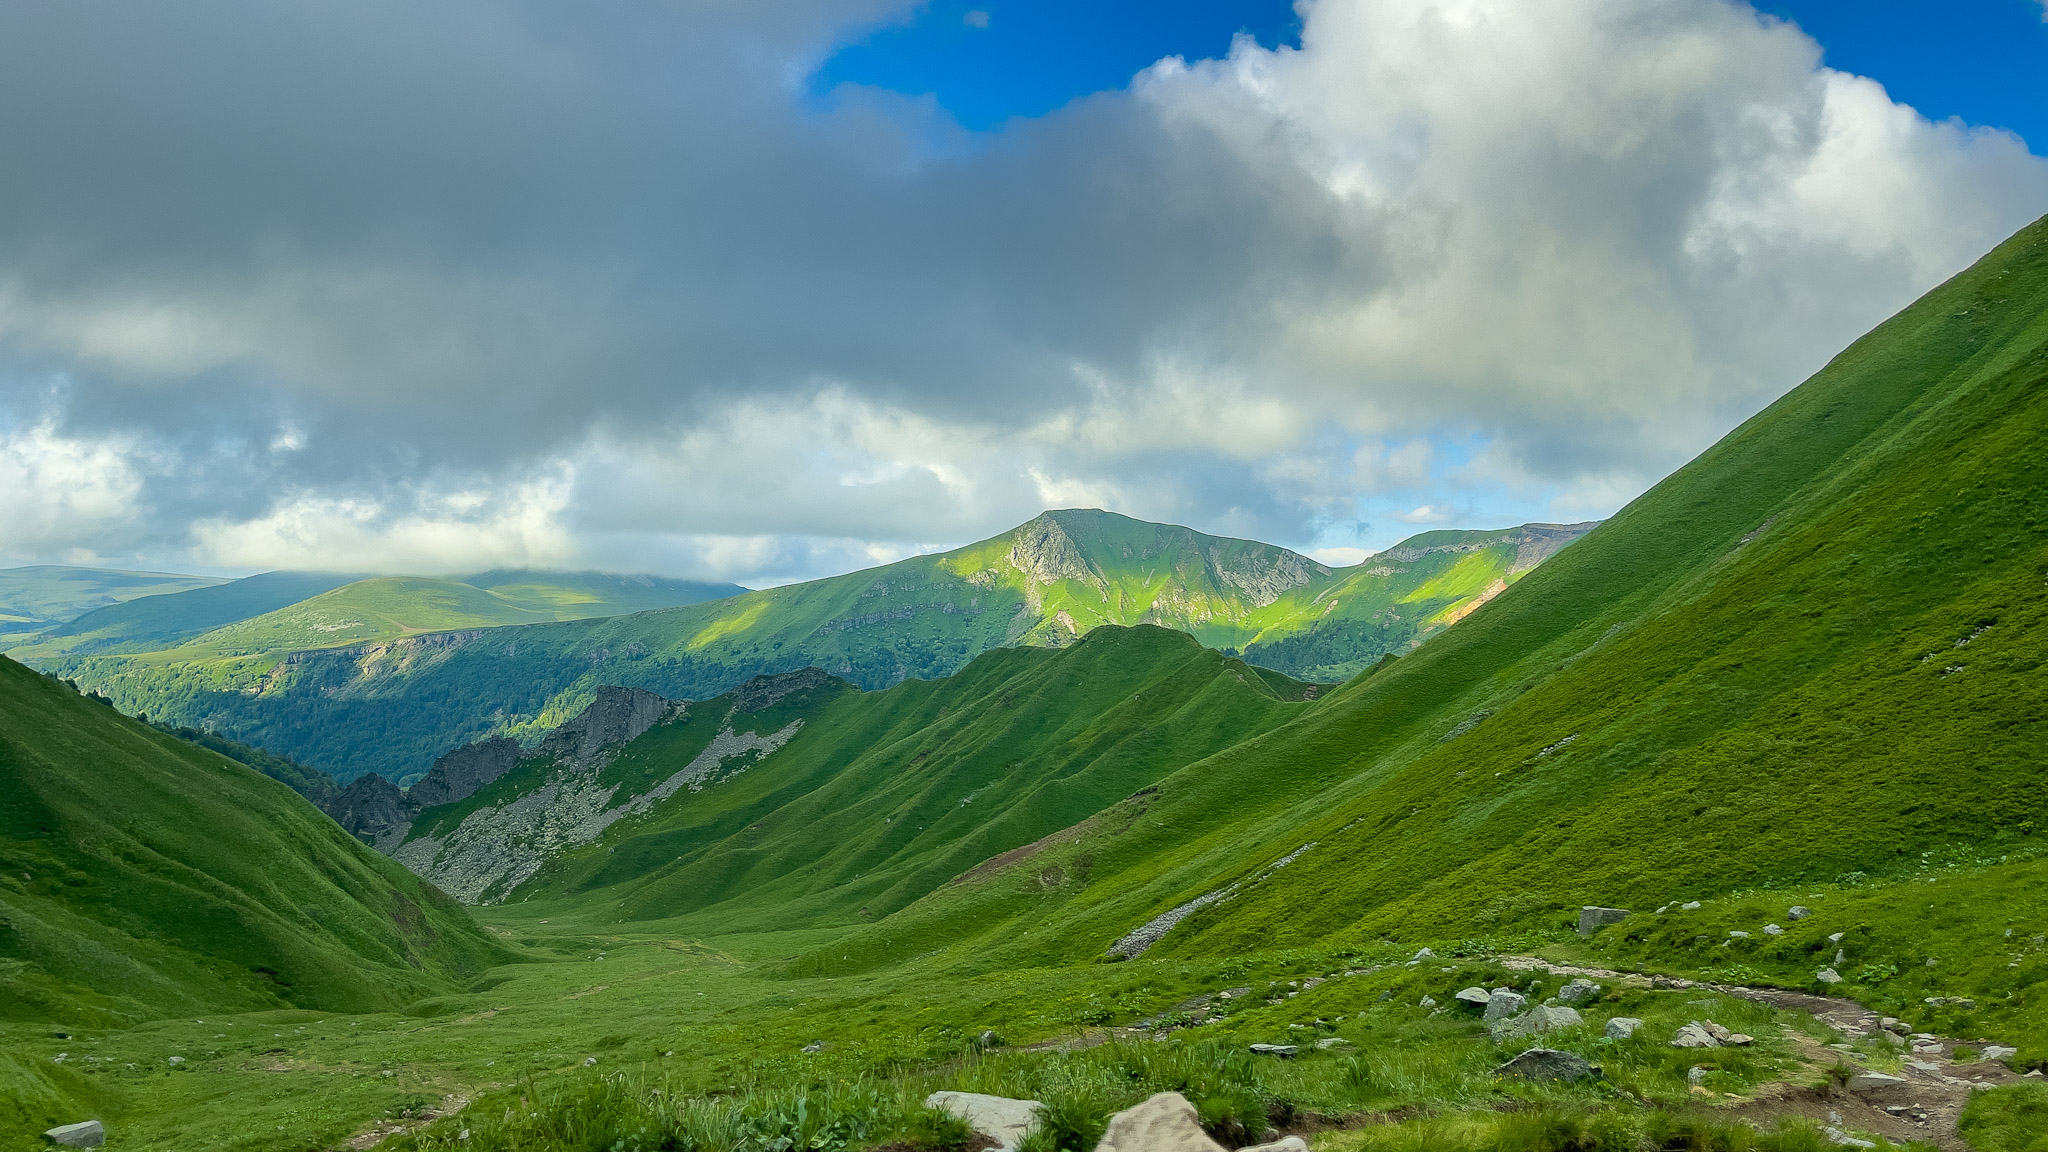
pixel 1808 662
pixel 393 706
pixel 142 876
pixel 39 597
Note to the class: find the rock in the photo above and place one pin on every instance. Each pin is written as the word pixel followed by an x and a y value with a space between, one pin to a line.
pixel 1798 912
pixel 988 1039
pixel 1622 1027
pixel 1895 1025
pixel 1284 1144
pixel 1694 1035
pixel 1547 1064
pixel 1717 1031
pixel 1739 1040
pixel 588 1061
pixel 1579 991
pixel 1329 1042
pixel 1503 1004
pixel 1773 930
pixel 1476 997
pixel 1999 1052
pixel 1689 906
pixel 177 1060
pixel 1879 1087
pixel 1427 1002
pixel 86 1134
pixel 462 773
pixel 1000 1118
pixel 1538 1020
pixel 1842 1139
pixel 1828 976
pixel 1165 1123
pixel 1738 934
pixel 1593 918
pixel 1696 1075
pixel 813 1048
pixel 1423 954
pixel 1836 937
pixel 1284 1051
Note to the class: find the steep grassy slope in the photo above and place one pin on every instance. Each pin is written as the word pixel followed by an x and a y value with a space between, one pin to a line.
pixel 42 596
pixel 142 876
pixel 393 706
pixel 867 801
pixel 1807 662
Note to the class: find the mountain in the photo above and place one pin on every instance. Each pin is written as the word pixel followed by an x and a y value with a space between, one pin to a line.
pixel 142 876
pixel 37 598
pixel 164 621
pixel 297 684
pixel 833 805
pixel 1803 669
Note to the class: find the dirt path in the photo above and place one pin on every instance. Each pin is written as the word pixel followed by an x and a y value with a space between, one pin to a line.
pixel 1925 1107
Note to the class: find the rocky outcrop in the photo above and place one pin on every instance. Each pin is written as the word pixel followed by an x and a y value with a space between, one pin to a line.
pixel 461 773
pixel 614 717
pixel 371 807
pixel 764 692
pixel 1000 1118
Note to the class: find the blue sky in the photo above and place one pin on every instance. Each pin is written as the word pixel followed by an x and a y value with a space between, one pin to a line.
pixel 1985 61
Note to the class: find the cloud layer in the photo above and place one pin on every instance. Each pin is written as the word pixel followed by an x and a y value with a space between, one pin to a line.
pixel 428 288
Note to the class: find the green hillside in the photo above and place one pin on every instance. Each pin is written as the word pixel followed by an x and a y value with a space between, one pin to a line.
pixel 142 876
pixel 164 621
pixel 918 783
pixel 40 597
pixel 1805 668
pixel 393 705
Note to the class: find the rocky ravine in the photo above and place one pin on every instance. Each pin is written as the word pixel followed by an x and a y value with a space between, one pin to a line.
pixel 500 846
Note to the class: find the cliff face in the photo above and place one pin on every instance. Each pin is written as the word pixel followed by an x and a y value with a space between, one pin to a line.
pixel 459 774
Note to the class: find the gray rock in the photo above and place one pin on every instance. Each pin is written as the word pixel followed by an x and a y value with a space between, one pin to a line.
pixel 1841 1139
pixel 1798 912
pixel 1329 1042
pixel 1579 991
pixel 1593 918
pixel 1689 906
pixel 1622 1027
pixel 1697 1074
pixel 1828 976
pixel 1423 954
pixel 1694 1035
pixel 1536 1021
pixel 1504 1004
pixel 1773 930
pixel 1165 1123
pixel 87 1134
pixel 1476 997
pixel 1738 934
pixel 1427 1002
pixel 1284 1144
pixel 1999 1052
pixel 1877 1086
pixel 813 1048
pixel 1547 1064
pixel 1717 1031
pixel 461 773
pixel 1000 1118
pixel 1284 1051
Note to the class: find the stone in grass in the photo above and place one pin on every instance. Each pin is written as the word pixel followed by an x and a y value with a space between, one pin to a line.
pixel 1999 1052
pixel 1283 1144
pixel 1000 1118
pixel 1476 997
pixel 1878 1087
pixel 1798 912
pixel 1828 976
pixel 1284 1051
pixel 1503 1004
pixel 1538 1020
pixel 1547 1064
pixel 1329 1042
pixel 1694 1035
pixel 1578 991
pixel 1592 918
pixel 1622 1027
pixel 1717 1031
pixel 89 1134
pixel 1164 1123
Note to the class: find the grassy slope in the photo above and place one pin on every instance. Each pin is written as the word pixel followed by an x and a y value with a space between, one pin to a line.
pixel 156 622
pixel 1757 667
pixel 918 783
pixel 35 598
pixel 924 617
pixel 140 876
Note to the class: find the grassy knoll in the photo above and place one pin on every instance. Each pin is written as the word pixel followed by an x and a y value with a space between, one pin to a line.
pixel 359 692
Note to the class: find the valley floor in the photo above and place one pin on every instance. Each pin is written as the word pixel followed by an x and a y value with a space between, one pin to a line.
pixel 616 1036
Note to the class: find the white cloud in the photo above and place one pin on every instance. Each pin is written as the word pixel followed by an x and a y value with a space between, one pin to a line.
pixel 436 533
pixel 66 496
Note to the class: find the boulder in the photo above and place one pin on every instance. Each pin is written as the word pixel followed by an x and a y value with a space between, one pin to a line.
pixel 1717 1031
pixel 1503 1004
pixel 1694 1035
pixel 1828 976
pixel 1878 1087
pixel 1329 1042
pixel 1426 1002
pixel 1622 1027
pixel 1593 918
pixel 1165 1123
pixel 1579 991
pixel 1999 1052
pixel 86 1134
pixel 1423 954
pixel 1537 1020
pixel 1798 912
pixel 1284 1051
pixel 1773 930
pixel 1000 1118
pixel 1547 1064
pixel 1689 906
pixel 1476 997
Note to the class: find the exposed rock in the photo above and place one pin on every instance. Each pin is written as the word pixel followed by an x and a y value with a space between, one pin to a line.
pixel 1697 1075
pixel 1773 930
pixel 1536 1021
pixel 1547 1064
pixel 1504 1004
pixel 86 1134
pixel 1878 1087
pixel 1284 1144
pixel 1476 997
pixel 764 692
pixel 1999 1052
pixel 1000 1118
pixel 1841 1139
pixel 459 774
pixel 370 807
pixel 614 717
pixel 1717 1031
pixel 1622 1027
pixel 1739 1040
pixel 1579 991
pixel 1593 918
pixel 813 1048
pixel 1828 976
pixel 1738 934
pixel 1798 912
pixel 1694 1035
pixel 1165 1123
pixel 1422 954
pixel 1689 906
pixel 1329 1042
pixel 1281 1050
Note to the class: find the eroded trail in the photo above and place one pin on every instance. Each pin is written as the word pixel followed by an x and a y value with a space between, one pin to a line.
pixel 1926 1103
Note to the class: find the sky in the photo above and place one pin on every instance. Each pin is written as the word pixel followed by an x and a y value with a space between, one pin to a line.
pixel 772 290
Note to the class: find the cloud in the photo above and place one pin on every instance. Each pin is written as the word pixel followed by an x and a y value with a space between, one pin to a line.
pixel 66 496
pixel 503 283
